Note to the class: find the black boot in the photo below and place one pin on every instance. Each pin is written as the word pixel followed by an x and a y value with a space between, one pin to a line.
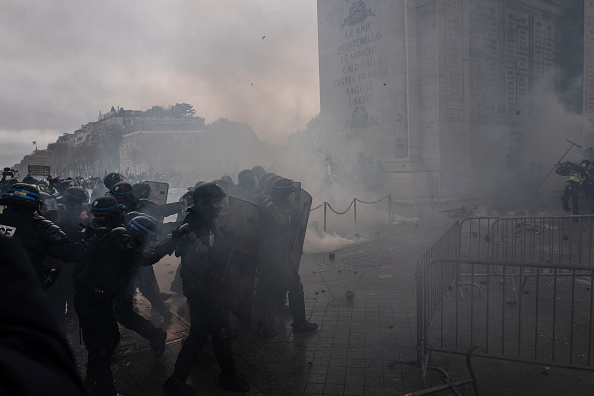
pixel 233 383
pixel 297 306
pixel 266 330
pixel 99 380
pixel 229 379
pixel 304 327
pixel 158 343
pixel 177 387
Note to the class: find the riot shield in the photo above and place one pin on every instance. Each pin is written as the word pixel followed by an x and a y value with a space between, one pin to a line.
pixel 300 201
pixel 158 192
pixel 240 228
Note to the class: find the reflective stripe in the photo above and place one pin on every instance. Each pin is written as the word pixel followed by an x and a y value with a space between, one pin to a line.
pixel 111 207
pixel 283 187
pixel 135 225
pixel 23 191
pixel 74 196
pixel 20 196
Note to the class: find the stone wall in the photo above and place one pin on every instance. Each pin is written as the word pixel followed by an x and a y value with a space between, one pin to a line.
pixel 444 92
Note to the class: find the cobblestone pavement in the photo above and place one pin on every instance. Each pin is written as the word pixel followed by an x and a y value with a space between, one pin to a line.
pixel 352 351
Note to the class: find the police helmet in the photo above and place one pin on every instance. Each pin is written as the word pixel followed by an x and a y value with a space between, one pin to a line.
pixel 111 179
pixel 282 187
pixel 258 171
pixel 210 199
pixel 141 227
pixel 264 179
pixel 227 179
pixel 224 185
pixel 199 183
pixel 105 206
pixel 65 185
pixel 268 186
pixel 123 193
pixel 247 179
pixel 30 180
pixel 23 195
pixel 76 195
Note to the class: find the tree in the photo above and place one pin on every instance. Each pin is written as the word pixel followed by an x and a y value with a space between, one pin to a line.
pixel 156 111
pixel 180 110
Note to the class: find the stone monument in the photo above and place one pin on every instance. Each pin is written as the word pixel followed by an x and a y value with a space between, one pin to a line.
pixel 444 92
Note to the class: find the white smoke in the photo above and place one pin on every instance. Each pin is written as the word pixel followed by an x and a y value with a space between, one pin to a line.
pixel 316 243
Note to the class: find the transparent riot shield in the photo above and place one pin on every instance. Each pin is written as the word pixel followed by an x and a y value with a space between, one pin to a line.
pixel 240 228
pixel 158 192
pixel 300 201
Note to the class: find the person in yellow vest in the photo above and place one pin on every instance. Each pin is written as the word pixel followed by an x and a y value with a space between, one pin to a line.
pixel 578 177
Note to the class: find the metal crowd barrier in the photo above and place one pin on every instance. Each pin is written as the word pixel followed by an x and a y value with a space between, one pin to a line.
pixel 520 289
pixel 353 205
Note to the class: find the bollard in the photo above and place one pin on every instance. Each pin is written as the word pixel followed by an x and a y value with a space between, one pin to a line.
pixel 355 210
pixel 325 203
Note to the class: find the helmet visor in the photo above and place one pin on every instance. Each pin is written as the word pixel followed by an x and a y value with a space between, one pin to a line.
pixel 222 206
pixel 50 204
pixel 185 203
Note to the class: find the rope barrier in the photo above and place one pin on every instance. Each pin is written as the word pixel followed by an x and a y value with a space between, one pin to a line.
pixel 341 213
pixel 374 202
pixel 354 199
pixel 354 204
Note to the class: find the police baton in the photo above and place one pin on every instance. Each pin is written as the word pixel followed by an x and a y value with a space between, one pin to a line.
pixel 557 164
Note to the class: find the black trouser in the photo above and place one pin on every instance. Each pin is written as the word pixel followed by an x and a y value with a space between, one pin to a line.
pixel 101 336
pixel 572 190
pixel 271 290
pixel 61 294
pixel 207 317
pixel 124 310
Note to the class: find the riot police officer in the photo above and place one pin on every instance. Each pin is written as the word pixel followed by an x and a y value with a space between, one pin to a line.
pixel 74 212
pixel 20 220
pixel 98 281
pixel 202 248
pixel 143 231
pixel 246 184
pixel 277 274
pixel 123 192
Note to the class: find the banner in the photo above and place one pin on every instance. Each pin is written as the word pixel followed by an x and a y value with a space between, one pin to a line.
pixel 38 170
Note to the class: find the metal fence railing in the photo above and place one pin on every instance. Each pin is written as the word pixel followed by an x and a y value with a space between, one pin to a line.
pixel 520 289
pixel 549 323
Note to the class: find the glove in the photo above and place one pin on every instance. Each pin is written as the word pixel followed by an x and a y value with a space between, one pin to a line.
pixel 179 232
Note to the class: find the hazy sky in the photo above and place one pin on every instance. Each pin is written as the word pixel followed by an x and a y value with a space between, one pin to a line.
pixel 64 61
